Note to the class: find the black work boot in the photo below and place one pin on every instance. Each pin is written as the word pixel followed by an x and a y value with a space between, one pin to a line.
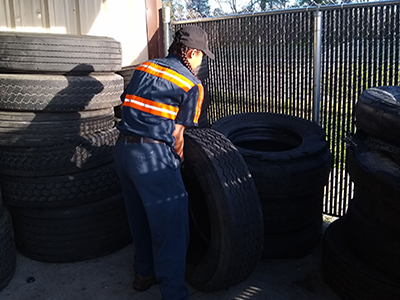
pixel 142 283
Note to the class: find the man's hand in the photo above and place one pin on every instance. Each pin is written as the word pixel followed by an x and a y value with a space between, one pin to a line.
pixel 178 134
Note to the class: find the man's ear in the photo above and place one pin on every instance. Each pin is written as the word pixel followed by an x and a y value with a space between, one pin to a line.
pixel 190 53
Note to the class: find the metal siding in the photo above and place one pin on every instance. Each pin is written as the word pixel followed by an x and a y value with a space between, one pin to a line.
pixel 4 15
pixel 63 16
pixel 89 11
pixel 124 20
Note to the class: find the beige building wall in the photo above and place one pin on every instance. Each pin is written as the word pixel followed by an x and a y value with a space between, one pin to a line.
pixel 123 20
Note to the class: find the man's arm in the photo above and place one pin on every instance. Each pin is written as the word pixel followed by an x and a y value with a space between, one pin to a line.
pixel 178 134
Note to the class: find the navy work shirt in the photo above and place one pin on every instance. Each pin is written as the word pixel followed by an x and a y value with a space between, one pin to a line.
pixel 162 92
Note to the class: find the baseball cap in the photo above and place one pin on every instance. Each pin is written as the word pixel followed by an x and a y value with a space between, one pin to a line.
pixel 195 38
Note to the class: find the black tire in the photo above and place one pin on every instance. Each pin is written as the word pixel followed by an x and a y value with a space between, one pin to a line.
pixel 383 212
pixel 389 149
pixel 8 256
pixel 289 160
pixel 225 214
pixel 377 112
pixel 53 93
pixel 64 190
pixel 87 152
pixel 295 244
pixel 1 203
pixel 348 275
pixel 73 233
pixel 376 245
pixel 374 172
pixel 38 129
pixel 127 73
pixel 59 53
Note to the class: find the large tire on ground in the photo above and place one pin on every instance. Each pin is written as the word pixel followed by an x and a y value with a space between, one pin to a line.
pixel 350 276
pixel 1 203
pixel 72 233
pixel 376 177
pixel 87 152
pixel 376 245
pixel 377 113
pixel 60 53
pixel 29 129
pixel 293 244
pixel 378 210
pixel 64 190
pixel 226 224
pixel 8 256
pixel 289 159
pixel 53 93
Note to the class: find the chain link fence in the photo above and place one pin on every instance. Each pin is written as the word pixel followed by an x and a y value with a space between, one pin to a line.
pixel 265 63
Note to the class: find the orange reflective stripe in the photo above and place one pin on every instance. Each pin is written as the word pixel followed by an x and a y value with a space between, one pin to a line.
pixel 152 107
pixel 199 103
pixel 166 74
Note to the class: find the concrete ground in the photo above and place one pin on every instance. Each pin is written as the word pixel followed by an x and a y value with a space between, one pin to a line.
pixel 110 278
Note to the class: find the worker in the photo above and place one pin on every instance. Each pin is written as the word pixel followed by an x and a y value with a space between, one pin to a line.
pixel 163 97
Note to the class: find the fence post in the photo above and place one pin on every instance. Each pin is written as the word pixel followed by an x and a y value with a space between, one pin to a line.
pixel 166 23
pixel 317 64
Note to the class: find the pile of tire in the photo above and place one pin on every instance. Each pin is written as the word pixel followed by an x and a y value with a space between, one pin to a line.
pixel 57 131
pixel 289 160
pixel 361 250
pixel 8 256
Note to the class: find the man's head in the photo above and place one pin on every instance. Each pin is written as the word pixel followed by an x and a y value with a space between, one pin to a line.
pixel 195 38
pixel 191 43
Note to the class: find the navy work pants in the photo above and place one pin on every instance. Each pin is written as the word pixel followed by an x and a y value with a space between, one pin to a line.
pixel 157 207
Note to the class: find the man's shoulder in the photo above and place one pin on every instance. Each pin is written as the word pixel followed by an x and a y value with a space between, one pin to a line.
pixel 175 64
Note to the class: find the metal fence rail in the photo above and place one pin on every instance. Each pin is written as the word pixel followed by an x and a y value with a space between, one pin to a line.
pixel 265 63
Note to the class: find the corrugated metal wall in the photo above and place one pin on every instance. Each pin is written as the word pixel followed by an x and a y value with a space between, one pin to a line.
pixel 124 20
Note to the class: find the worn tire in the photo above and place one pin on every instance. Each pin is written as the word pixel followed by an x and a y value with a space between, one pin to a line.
pixel 296 244
pixel 55 93
pixel 384 213
pixel 127 73
pixel 39 129
pixel 72 233
pixel 289 159
pixel 350 276
pixel 377 113
pixel 58 53
pixel 225 214
pixel 63 190
pixel 376 245
pixel 378 176
pixel 389 149
pixel 8 256
pixel 83 153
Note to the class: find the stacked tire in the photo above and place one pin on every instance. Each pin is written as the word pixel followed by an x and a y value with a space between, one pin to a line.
pixel 8 257
pixel 361 250
pixel 289 160
pixel 57 132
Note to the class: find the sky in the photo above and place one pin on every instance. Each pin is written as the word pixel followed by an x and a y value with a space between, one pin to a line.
pixel 226 7
pixel 239 4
